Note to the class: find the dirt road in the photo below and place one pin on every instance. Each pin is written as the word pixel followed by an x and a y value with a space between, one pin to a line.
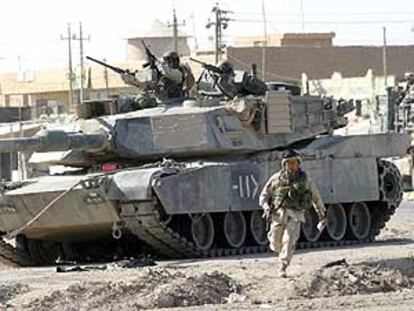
pixel 379 276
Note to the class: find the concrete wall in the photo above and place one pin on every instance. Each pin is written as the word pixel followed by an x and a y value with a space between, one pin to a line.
pixel 367 89
pixel 367 86
pixel 321 62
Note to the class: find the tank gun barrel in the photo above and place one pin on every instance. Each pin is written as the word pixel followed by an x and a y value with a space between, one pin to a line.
pixel 55 140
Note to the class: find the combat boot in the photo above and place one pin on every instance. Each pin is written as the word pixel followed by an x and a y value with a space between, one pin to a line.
pixel 282 270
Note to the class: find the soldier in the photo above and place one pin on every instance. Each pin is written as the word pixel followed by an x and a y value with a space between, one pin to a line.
pixel 242 83
pixel 409 89
pixel 172 75
pixel 284 199
pixel 175 79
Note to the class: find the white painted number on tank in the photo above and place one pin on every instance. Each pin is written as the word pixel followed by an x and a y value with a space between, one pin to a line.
pixel 247 186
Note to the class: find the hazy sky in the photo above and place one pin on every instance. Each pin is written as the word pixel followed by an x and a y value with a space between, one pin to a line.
pixel 30 30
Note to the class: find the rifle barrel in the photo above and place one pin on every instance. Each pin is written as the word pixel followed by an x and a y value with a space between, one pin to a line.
pixel 113 68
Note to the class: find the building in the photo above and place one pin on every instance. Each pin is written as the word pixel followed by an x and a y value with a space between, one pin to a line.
pixel 289 62
pixel 50 88
pixel 159 37
pixel 287 39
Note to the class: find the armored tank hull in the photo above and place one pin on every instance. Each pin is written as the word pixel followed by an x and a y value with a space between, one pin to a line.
pixel 204 208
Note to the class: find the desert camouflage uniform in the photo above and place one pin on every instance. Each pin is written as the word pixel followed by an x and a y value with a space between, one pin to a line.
pixel 286 221
pixel 170 87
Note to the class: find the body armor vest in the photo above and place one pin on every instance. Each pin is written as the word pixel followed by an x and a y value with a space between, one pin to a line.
pixel 293 191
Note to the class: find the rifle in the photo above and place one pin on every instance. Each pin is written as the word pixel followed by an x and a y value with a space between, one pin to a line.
pixel 151 57
pixel 113 68
pixel 273 210
pixel 208 67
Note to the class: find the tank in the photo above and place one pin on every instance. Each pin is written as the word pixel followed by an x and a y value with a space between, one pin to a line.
pixel 184 180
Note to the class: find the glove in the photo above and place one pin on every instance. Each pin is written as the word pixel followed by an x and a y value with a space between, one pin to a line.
pixel 128 78
pixel 266 210
pixel 321 224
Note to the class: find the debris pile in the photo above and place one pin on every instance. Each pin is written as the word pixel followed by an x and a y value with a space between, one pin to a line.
pixel 345 279
pixel 117 265
pixel 156 289
pixel 8 292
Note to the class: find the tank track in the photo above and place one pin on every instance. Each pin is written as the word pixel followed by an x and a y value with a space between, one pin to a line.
pixel 12 256
pixel 144 221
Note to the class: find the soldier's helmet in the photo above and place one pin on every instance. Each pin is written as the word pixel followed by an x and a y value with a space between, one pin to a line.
pixel 171 58
pixel 290 154
pixel 409 76
pixel 225 66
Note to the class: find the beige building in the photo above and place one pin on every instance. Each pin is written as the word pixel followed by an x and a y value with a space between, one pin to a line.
pixel 159 37
pixel 50 88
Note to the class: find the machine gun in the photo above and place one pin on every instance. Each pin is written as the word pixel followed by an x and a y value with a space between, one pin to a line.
pixel 208 67
pixel 113 68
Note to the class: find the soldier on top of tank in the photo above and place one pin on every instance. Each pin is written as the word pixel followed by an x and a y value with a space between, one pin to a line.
pixel 284 199
pixel 223 79
pixel 238 83
pixel 408 92
pixel 165 81
pixel 174 79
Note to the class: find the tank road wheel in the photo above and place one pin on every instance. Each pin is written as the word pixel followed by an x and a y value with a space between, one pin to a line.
pixel 258 228
pixel 234 229
pixel 202 231
pixel 336 222
pixel 359 221
pixel 309 231
pixel 390 182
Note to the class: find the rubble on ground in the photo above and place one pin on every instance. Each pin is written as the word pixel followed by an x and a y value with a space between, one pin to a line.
pixel 8 292
pixel 342 278
pixel 158 288
pixel 117 265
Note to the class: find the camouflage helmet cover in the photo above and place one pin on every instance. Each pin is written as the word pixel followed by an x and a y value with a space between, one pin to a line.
pixel 172 58
pixel 290 154
pixel 225 66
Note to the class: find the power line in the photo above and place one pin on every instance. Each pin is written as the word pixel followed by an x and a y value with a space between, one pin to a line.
pixel 328 14
pixel 174 26
pixel 327 22
pixel 220 23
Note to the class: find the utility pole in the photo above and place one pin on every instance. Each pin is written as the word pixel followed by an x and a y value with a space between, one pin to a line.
pixel 220 22
pixel 264 42
pixel 194 31
pixel 70 77
pixel 384 55
pixel 106 79
pixel 174 26
pixel 302 16
pixel 82 75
